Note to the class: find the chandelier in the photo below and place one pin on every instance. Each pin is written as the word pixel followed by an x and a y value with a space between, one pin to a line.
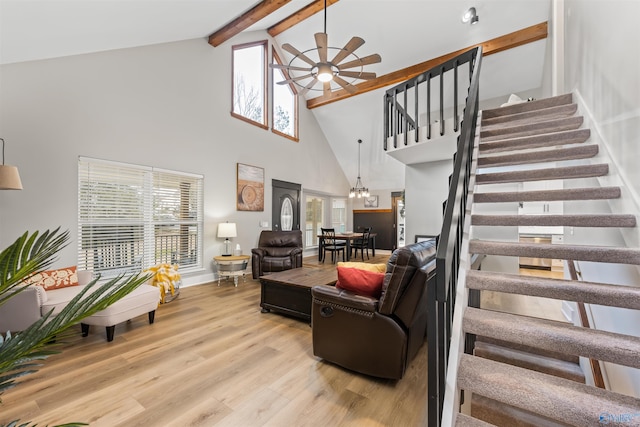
pixel 359 190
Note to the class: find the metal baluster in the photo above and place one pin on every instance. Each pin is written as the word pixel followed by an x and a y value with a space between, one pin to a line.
pixel 442 70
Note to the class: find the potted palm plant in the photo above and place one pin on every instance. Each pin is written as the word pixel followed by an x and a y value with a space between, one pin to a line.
pixel 22 353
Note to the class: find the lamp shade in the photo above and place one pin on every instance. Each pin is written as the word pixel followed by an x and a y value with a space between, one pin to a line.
pixel 10 178
pixel 227 229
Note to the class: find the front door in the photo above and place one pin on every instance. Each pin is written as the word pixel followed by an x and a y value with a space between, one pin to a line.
pixel 285 205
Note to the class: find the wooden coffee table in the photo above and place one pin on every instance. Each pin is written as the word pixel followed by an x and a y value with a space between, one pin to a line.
pixel 289 291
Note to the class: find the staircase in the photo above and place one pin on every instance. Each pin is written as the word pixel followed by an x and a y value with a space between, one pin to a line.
pixel 523 371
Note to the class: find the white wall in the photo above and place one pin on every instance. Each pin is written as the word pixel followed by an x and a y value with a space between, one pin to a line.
pixel 602 62
pixel 164 105
pixel 426 190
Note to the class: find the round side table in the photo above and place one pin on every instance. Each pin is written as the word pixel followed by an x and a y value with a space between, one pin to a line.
pixel 231 266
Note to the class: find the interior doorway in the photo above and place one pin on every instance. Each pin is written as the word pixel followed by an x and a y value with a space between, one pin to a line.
pixel 399 220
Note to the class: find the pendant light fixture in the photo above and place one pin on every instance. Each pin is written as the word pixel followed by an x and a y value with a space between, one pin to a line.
pixel 359 190
pixel 9 176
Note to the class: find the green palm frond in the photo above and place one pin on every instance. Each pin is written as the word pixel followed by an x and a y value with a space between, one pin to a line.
pixel 26 256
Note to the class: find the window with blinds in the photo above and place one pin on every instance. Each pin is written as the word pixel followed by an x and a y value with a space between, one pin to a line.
pixel 132 217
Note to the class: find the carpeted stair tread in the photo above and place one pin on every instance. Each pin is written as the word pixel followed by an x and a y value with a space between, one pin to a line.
pixel 463 420
pixel 548 126
pixel 572 358
pixel 575 136
pixel 503 415
pixel 560 289
pixel 592 193
pixel 566 172
pixel 549 396
pixel 553 335
pixel 538 104
pixel 539 156
pixel 535 362
pixel 608 254
pixel 600 220
pixel 535 115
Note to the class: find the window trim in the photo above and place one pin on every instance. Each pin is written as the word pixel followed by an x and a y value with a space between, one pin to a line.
pixel 275 58
pixel 265 114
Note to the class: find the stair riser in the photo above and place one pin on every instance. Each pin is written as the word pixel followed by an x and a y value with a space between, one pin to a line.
pixel 588 171
pixel 564 290
pixel 528 106
pixel 499 414
pixel 543 114
pixel 549 195
pixel 557 155
pixel 542 394
pixel 539 364
pixel 621 221
pixel 576 253
pixel 546 140
pixel 552 335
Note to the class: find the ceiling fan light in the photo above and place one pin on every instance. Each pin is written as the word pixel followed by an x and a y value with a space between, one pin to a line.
pixel 325 73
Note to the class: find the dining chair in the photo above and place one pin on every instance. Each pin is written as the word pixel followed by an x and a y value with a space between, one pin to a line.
pixel 332 245
pixel 362 243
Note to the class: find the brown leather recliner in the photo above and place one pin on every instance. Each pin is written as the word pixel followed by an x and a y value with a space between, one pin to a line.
pixel 276 251
pixel 377 337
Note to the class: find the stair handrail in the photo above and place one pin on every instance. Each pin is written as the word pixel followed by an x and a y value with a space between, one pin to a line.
pixel 397 116
pixel 441 298
pixel 596 371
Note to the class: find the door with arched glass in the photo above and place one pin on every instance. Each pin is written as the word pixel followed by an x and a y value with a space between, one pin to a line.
pixel 285 205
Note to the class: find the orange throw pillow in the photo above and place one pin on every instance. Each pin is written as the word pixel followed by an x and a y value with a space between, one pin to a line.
pixel 361 282
pixel 55 279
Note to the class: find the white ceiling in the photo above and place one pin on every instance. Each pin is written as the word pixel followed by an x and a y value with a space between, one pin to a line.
pixel 403 32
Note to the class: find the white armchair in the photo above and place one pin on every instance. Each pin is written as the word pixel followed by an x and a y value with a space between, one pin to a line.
pixel 30 305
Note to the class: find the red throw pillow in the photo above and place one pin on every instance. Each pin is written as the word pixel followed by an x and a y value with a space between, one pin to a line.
pixel 361 282
pixel 55 279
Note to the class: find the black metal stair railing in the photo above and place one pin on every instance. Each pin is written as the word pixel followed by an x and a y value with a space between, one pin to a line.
pixel 400 117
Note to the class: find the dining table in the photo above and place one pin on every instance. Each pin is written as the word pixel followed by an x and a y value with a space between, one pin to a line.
pixel 348 237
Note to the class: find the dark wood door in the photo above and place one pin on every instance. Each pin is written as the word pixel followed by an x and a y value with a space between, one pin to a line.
pixel 285 210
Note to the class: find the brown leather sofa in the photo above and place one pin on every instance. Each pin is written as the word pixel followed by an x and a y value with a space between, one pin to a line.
pixel 377 337
pixel 276 251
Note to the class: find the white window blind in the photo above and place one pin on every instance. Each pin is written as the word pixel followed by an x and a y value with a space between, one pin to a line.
pixel 132 217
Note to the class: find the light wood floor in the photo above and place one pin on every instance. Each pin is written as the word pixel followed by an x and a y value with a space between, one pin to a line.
pixel 211 358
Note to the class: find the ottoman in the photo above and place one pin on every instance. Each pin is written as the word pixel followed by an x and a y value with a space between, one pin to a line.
pixel 144 299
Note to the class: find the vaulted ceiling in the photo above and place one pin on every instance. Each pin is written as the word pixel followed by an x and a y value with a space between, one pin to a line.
pixel 403 32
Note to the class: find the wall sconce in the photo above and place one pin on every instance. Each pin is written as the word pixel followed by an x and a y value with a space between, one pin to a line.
pixel 9 176
pixel 226 230
pixel 470 16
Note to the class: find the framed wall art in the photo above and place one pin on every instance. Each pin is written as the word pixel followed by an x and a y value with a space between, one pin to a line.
pixel 250 188
pixel 371 202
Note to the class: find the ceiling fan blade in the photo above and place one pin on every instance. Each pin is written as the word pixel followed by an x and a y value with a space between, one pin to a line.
pixel 321 42
pixel 326 89
pixel 308 87
pixel 294 79
pixel 348 49
pixel 288 67
pixel 295 52
pixel 345 85
pixel 371 59
pixel 358 75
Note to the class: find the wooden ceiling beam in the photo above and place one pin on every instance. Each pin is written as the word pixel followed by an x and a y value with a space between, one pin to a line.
pixel 296 18
pixel 498 44
pixel 244 21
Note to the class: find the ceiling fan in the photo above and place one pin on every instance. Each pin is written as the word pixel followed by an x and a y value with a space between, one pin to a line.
pixel 324 70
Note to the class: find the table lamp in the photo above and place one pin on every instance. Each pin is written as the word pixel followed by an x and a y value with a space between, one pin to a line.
pixel 226 230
